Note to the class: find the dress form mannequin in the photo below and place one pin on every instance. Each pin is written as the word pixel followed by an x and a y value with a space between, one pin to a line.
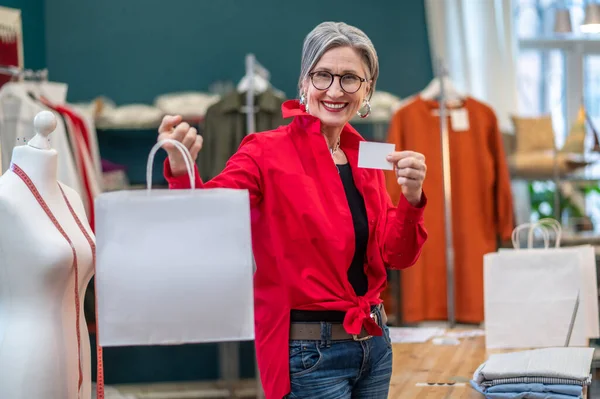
pixel 40 352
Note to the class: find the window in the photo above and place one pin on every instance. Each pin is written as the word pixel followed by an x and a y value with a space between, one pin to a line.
pixel 556 74
pixel 541 87
pixel 592 86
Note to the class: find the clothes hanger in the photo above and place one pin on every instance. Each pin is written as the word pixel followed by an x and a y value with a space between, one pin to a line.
pixel 260 84
pixel 434 89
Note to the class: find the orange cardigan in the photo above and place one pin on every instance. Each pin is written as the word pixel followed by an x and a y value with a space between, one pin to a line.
pixel 482 209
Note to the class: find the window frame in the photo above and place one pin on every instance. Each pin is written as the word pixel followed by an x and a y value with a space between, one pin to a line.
pixel 574 50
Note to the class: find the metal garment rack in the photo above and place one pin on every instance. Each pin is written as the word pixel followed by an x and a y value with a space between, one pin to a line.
pixel 253 68
pixel 20 74
pixel 445 139
pixel 229 352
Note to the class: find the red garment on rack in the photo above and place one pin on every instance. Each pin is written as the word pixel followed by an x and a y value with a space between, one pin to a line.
pixel 79 135
pixel 482 209
pixel 9 56
pixel 303 234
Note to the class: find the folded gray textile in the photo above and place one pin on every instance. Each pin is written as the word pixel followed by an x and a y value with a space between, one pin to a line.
pixel 547 365
pixel 537 380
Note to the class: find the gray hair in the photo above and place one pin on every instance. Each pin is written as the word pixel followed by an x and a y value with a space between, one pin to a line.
pixel 328 35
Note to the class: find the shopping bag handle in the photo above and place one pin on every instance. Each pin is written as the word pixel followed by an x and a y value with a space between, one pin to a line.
pixel 187 157
pixel 555 226
pixel 532 227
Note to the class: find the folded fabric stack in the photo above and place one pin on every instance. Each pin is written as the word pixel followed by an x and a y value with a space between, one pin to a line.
pixel 549 373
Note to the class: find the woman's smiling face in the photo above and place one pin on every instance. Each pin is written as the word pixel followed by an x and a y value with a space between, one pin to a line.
pixel 336 102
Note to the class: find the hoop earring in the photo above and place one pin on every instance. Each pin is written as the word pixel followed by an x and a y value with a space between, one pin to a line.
pixel 367 105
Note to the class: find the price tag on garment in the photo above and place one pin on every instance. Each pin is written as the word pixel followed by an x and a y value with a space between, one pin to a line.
pixel 373 155
pixel 459 119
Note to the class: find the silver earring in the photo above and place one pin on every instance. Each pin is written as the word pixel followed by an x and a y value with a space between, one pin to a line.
pixel 304 102
pixel 363 115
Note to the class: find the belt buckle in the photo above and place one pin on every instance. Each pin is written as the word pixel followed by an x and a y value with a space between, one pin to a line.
pixel 357 338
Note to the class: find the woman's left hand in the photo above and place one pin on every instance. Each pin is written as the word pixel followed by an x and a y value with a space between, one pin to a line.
pixel 410 169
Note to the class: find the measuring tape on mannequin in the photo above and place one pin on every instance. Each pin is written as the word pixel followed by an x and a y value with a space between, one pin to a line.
pixel 100 374
pixel 34 191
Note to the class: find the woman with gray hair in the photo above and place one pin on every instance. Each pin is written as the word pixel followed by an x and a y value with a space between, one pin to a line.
pixel 323 229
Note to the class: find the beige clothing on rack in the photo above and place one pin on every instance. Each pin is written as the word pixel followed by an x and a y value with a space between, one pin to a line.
pixel 17 112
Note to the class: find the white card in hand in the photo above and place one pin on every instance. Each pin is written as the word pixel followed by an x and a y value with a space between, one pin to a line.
pixel 373 155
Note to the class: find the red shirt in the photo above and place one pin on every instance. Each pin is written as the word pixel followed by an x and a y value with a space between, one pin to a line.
pixel 78 133
pixel 303 234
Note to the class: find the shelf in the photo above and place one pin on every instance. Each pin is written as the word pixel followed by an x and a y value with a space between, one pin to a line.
pixel 584 238
pixel 578 180
pixel 585 175
pixel 583 168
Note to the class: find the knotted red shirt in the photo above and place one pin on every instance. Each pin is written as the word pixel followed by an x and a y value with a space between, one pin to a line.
pixel 303 234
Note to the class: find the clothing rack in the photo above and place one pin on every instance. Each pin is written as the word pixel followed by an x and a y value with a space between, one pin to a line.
pixel 445 139
pixel 229 351
pixel 41 75
pixel 253 68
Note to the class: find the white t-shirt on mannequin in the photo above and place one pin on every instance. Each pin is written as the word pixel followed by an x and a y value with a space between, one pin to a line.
pixel 39 352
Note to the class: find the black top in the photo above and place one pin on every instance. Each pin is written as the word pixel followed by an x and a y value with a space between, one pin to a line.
pixel 356 271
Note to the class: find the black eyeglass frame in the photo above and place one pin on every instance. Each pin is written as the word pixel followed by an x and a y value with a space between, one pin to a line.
pixel 333 76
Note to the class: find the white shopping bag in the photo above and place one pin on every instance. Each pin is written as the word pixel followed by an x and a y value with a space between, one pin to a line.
pixel 588 306
pixel 173 266
pixel 531 296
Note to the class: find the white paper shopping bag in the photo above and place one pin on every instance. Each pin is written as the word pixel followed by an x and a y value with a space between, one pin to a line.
pixel 173 266
pixel 587 255
pixel 530 297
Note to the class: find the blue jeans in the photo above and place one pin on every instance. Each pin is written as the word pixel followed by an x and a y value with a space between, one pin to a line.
pixel 341 369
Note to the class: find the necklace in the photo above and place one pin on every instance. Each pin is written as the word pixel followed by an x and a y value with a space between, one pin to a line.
pixel 335 148
pixel 333 151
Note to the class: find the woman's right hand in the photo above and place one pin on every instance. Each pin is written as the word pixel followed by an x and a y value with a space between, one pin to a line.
pixel 172 128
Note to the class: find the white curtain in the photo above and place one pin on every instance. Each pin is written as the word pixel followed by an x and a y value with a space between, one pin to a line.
pixel 476 41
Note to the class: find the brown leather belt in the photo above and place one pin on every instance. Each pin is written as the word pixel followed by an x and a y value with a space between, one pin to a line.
pixel 312 331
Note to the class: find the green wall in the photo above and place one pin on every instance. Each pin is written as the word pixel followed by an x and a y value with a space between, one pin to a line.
pixel 134 50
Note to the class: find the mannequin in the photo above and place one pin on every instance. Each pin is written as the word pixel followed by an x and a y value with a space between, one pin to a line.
pixel 44 342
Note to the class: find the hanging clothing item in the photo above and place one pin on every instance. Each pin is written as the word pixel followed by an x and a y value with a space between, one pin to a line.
pixel 303 233
pixel 17 112
pixel 225 127
pixel 89 123
pixel 82 147
pixel 482 209
pixel 11 40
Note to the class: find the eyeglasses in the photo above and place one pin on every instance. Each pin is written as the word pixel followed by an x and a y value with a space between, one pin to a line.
pixel 350 83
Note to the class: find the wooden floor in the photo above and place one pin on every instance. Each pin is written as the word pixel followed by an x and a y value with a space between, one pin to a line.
pixel 450 366
pixel 414 365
